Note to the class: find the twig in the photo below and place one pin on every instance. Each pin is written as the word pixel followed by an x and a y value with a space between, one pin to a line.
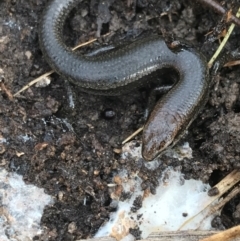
pixel 210 63
pixel 33 82
pixel 222 202
pixel 223 186
pixel 7 92
pixel 86 43
pixel 232 63
pixel 132 135
pixel 219 9
pixel 226 235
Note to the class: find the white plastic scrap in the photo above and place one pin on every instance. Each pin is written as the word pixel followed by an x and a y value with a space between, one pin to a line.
pixel 21 207
pixel 175 206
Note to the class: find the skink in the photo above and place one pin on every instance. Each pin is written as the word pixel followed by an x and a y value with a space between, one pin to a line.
pixel 123 69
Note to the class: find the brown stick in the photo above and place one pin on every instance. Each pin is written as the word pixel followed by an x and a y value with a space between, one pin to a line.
pixel 219 9
pixel 189 235
pixel 226 235
pixel 6 91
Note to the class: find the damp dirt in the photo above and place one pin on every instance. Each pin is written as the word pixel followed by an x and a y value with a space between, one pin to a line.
pixel 67 142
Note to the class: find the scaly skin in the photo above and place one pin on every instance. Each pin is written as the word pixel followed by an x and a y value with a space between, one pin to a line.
pixel 123 69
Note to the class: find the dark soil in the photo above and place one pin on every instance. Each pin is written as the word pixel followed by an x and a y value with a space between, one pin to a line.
pixel 67 150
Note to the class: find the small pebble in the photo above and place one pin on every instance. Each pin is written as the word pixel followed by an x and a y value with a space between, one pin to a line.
pixel 109 113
